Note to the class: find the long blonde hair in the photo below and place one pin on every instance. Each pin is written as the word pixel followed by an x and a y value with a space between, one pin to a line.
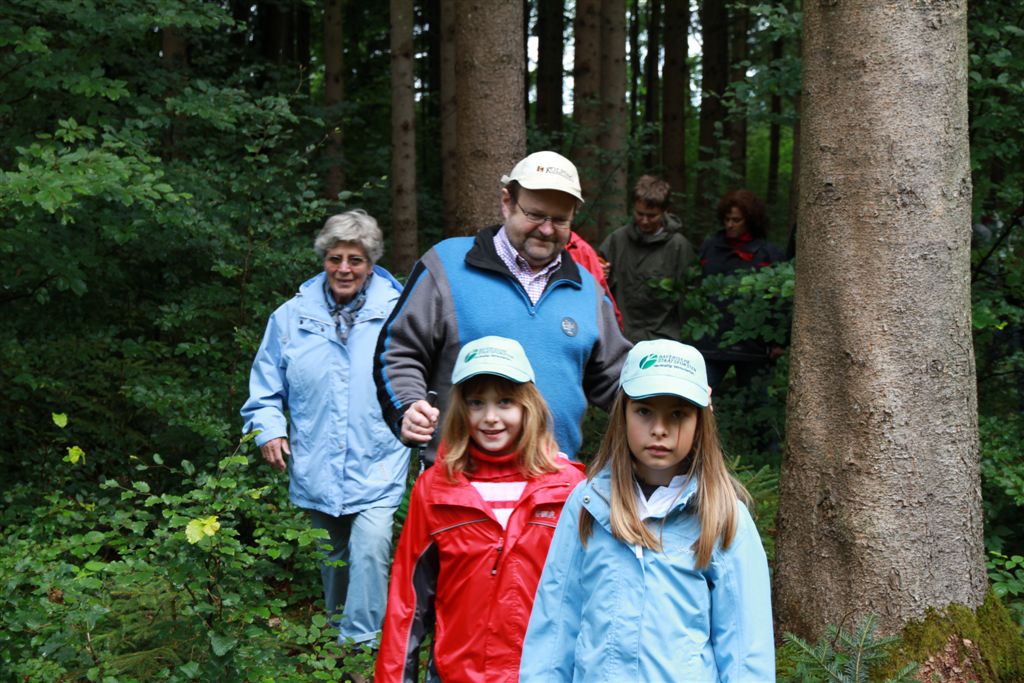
pixel 717 490
pixel 536 446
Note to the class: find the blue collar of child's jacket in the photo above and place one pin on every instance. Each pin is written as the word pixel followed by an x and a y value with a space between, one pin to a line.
pixel 601 484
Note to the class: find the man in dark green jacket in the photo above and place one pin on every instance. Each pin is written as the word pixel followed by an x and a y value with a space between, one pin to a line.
pixel 650 248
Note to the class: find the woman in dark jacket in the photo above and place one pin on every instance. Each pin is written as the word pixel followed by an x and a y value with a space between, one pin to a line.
pixel 739 245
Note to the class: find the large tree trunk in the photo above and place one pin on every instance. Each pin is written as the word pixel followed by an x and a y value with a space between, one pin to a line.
pixel 489 74
pixel 550 49
pixel 652 101
pixel 774 132
pixel 675 93
pixel 586 112
pixel 715 64
pixel 738 73
pixel 303 40
pixel 634 64
pixel 449 117
pixel 334 92
pixel 880 508
pixel 174 49
pixel 404 248
pixel 614 115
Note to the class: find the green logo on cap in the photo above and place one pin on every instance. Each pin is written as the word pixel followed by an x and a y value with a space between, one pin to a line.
pixel 648 360
pixel 471 355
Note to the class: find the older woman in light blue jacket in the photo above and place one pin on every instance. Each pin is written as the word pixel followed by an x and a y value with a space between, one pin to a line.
pixel 347 469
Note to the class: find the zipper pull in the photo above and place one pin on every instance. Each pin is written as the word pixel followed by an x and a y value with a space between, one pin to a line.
pixel 494 569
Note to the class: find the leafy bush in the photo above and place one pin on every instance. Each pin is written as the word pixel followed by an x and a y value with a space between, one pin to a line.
pixel 841 657
pixel 172 573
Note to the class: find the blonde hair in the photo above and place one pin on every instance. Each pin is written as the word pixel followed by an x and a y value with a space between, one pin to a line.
pixel 536 446
pixel 717 490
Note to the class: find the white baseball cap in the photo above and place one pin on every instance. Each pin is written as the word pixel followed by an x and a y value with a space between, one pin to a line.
pixel 662 366
pixel 546 171
pixel 493 356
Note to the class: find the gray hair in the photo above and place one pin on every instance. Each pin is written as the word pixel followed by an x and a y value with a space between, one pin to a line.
pixel 355 227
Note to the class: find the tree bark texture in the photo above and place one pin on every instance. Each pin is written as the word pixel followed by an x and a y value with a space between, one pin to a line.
pixel 634 64
pixel 614 115
pixel 489 74
pixel 303 38
pixel 739 27
pixel 774 133
pixel 714 19
pixel 449 131
pixel 880 503
pixel 586 113
pixel 675 93
pixel 652 79
pixel 404 240
pixel 334 92
pixel 550 50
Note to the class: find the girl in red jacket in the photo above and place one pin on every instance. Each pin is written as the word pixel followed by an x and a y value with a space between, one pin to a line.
pixel 479 525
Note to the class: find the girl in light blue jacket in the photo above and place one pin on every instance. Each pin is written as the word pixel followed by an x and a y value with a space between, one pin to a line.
pixel 656 571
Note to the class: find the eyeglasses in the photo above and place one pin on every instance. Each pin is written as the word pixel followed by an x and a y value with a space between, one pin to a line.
pixel 539 219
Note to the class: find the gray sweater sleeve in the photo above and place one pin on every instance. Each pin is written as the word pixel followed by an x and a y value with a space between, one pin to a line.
pixel 601 376
pixel 414 352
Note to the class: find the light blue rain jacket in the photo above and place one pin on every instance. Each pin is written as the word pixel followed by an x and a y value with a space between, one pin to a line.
pixel 613 612
pixel 344 458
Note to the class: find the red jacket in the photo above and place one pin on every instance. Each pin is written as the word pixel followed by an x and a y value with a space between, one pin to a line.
pixel 456 564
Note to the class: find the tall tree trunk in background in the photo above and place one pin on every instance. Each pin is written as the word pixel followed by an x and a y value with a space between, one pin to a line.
pixel 675 94
pixel 613 104
pixel 449 118
pixel 525 36
pixel 738 74
pixel 273 29
pixel 174 51
pixel 634 65
pixel 404 247
pixel 586 113
pixel 794 180
pixel 303 54
pixel 334 92
pixel 774 133
pixel 489 72
pixel 652 101
pixel 550 50
pixel 241 12
pixel 715 64
pixel 880 503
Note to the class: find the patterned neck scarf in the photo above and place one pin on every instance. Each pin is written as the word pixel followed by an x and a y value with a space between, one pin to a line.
pixel 345 316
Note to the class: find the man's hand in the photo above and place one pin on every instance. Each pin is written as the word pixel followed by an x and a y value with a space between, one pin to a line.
pixel 606 267
pixel 419 422
pixel 274 451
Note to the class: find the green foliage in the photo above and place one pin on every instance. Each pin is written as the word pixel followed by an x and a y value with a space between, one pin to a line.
pixel 170 573
pixel 841 657
pixel 996 96
pixel 1006 575
pixel 986 639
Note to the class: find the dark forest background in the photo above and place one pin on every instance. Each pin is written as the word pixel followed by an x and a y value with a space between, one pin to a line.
pixel 164 166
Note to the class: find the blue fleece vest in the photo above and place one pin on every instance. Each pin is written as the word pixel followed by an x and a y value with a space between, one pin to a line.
pixel 558 332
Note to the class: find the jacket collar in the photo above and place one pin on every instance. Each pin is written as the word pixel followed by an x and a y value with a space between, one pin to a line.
pixel 599 505
pixel 670 225
pixel 538 491
pixel 382 292
pixel 483 255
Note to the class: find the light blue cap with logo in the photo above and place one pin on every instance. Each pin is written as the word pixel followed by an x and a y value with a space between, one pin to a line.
pixel 662 366
pixel 493 356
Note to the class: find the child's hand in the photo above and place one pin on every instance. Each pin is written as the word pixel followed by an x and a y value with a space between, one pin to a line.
pixel 274 451
pixel 419 422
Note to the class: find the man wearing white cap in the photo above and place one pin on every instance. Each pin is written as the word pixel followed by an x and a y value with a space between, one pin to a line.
pixel 515 280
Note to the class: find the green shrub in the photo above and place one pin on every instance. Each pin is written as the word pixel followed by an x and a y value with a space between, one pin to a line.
pixel 212 577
